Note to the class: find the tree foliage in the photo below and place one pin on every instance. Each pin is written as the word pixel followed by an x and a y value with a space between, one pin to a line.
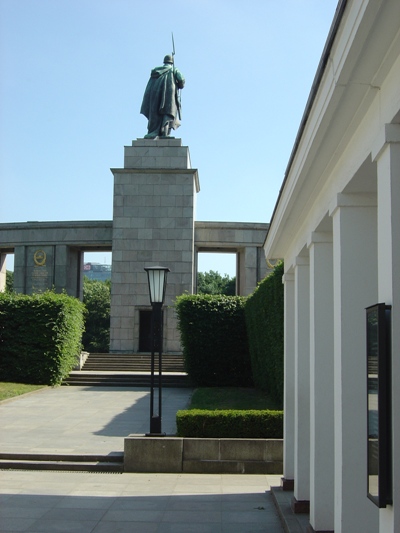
pixel 97 300
pixel 213 283
pixel 9 281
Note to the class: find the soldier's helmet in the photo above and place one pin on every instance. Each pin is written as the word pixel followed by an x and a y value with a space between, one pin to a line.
pixel 168 59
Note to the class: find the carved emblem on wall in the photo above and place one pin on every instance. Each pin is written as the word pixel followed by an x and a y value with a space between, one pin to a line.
pixel 39 258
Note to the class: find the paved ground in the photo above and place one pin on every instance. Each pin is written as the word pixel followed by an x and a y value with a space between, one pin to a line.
pixel 82 419
pixel 56 502
pixel 96 420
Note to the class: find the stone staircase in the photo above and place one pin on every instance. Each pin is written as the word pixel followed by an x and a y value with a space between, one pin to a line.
pixel 112 463
pixel 128 370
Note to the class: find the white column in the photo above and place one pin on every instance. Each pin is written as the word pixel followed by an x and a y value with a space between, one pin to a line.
pixel 321 383
pixel 355 288
pixel 289 380
pixel 3 271
pixel 387 155
pixel 302 381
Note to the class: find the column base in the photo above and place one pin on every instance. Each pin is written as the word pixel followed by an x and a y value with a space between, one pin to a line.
pixel 310 529
pixel 300 506
pixel 287 484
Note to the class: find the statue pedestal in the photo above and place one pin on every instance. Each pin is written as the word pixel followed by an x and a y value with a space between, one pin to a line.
pixel 153 224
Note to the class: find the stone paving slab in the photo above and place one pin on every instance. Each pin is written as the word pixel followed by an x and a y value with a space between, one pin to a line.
pixel 82 419
pixel 64 502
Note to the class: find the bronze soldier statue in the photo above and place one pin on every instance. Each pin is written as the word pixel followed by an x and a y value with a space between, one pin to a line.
pixel 161 103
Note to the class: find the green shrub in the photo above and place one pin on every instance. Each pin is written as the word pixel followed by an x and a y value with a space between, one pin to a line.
pixel 40 337
pixel 264 319
pixel 97 300
pixel 233 424
pixel 214 340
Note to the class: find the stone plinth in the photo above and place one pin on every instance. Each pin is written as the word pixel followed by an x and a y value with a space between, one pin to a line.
pixel 201 456
pixel 153 224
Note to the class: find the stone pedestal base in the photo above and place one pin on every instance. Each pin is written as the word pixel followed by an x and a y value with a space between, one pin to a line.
pixel 287 484
pixel 300 506
pixel 310 529
pixel 153 224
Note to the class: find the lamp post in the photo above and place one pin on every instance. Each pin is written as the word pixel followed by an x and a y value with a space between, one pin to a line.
pixel 157 278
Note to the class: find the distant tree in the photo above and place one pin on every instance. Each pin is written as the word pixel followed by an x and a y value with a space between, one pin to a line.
pixel 97 300
pixel 9 281
pixel 213 283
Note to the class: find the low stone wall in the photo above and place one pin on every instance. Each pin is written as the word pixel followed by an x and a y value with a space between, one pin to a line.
pixel 216 456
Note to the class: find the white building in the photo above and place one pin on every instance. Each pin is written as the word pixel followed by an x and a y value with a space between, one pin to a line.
pixel 336 224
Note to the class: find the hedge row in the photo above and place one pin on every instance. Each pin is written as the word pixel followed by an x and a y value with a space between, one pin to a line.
pixel 235 341
pixel 234 424
pixel 264 319
pixel 40 337
pixel 214 339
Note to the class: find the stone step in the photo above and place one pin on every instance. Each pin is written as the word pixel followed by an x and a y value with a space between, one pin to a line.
pixel 128 370
pixel 124 379
pixel 126 365
pixel 130 362
pixel 112 463
pixel 132 358
pixel 136 355
pixel 125 368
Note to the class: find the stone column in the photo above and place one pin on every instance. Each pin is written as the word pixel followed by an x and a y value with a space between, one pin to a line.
pixel 289 384
pixel 355 288
pixel 20 269
pixel 387 155
pixel 153 224
pixel 302 385
pixel 68 270
pixel 321 383
pixel 3 271
pixel 248 270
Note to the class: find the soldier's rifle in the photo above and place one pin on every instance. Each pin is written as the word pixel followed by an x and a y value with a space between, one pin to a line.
pixel 178 93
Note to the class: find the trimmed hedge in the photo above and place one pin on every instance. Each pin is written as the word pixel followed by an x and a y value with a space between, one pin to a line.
pixel 40 337
pixel 233 424
pixel 264 319
pixel 214 340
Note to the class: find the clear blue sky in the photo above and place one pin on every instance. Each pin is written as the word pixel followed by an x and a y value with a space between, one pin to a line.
pixel 73 73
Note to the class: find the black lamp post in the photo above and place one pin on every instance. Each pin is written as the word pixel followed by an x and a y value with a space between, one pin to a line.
pixel 157 278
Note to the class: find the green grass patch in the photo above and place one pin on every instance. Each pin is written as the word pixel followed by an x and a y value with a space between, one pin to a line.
pixel 236 398
pixel 10 390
